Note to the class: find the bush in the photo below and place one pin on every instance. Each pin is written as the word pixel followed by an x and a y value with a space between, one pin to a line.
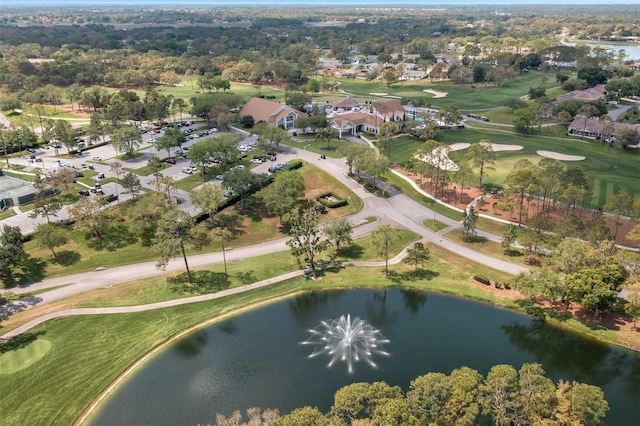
pixel 325 201
pixel 482 279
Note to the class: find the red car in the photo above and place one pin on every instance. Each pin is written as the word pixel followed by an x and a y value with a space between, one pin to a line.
pixel 170 161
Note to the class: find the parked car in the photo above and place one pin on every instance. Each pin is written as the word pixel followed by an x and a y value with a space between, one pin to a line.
pixel 100 175
pixel 90 167
pixel 31 150
pixel 79 174
pixel 170 161
pixel 220 177
pixel 84 193
pixel 187 170
pixel 96 158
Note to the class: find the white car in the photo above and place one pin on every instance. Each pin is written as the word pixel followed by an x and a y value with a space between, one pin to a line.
pixel 96 158
pixel 187 170
pixel 256 161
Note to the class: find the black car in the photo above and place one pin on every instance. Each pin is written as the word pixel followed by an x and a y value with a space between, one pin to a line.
pixel 84 193
pixel 101 176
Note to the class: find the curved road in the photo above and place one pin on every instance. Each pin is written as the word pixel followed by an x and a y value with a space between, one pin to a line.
pixel 397 209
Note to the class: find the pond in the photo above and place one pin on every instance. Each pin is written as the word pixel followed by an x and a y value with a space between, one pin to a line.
pixel 256 358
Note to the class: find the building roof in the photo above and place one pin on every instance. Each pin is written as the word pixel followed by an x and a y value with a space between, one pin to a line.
pixel 268 111
pixel 391 107
pixel 591 94
pixel 595 125
pixel 346 103
pixel 356 118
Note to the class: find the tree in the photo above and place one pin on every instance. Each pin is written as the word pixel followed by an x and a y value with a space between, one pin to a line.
pixel 172 138
pixel 619 205
pixel 126 139
pixel 339 232
pixel 588 405
pixel 116 168
pixel 632 307
pixel 306 238
pixel 508 237
pixel 209 198
pixel 50 236
pixel 498 393
pixel 131 183
pixel 469 219
pixel 270 136
pixel 90 216
pixel 352 153
pixel 481 156
pixel 242 182
pixel 282 195
pixel 386 132
pixel 222 235
pixel 44 204
pixel 381 238
pixel 416 256
pixel 65 134
pixel 389 76
pixel 12 254
pixel 199 154
pixel 61 179
pixel 156 166
pixel 180 105
pixel 174 230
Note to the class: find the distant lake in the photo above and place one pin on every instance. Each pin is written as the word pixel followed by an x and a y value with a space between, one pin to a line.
pixel 632 50
pixel 256 359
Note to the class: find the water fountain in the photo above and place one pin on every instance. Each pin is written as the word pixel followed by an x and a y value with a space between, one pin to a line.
pixel 347 341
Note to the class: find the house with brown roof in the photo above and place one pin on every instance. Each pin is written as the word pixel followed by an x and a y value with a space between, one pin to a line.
pixel 391 110
pixel 346 104
pixel 594 128
pixel 354 123
pixel 273 113
pixel 590 94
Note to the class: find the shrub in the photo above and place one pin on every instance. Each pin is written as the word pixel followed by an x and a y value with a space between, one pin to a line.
pixel 482 279
pixel 333 203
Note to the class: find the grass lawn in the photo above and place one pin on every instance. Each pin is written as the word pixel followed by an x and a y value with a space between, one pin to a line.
pixel 434 225
pixel 145 170
pixel 609 169
pixel 7 214
pixel 466 99
pixel 490 248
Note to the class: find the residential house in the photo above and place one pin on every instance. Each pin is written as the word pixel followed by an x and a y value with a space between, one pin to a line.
pixel 273 113
pixel 595 93
pixel 594 128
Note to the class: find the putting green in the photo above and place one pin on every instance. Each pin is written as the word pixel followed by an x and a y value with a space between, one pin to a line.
pixel 21 358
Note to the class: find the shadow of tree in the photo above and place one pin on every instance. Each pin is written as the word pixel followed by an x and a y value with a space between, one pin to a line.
pixel 117 236
pixel 352 251
pixel 231 222
pixel 204 282
pixel 66 258
pixel 31 270
pixel 513 253
pixel 474 239
pixel 20 341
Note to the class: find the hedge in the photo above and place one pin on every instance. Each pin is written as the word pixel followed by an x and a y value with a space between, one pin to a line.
pixel 322 199
pixel 482 279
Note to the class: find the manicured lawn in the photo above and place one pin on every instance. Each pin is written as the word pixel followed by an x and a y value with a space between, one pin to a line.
pixel 466 99
pixel 7 214
pixel 488 247
pixel 609 169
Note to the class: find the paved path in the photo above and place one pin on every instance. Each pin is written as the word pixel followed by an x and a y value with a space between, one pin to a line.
pixel 398 210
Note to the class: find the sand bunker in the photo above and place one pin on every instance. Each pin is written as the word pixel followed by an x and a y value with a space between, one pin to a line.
pixel 439 157
pixel 559 156
pixel 435 93
pixel 459 146
pixel 378 94
pixel 504 147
